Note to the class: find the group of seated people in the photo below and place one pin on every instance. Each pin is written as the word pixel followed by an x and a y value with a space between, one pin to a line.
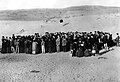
pixel 79 43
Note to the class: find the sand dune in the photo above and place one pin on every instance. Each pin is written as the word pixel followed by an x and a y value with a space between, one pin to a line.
pixel 80 18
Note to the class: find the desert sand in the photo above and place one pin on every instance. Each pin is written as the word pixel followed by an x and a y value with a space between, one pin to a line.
pixel 60 67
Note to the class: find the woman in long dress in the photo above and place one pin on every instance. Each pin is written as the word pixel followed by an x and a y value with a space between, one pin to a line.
pixel 34 47
pixel 43 46
pixel 3 45
pixel 80 49
pixel 58 44
pixel 74 50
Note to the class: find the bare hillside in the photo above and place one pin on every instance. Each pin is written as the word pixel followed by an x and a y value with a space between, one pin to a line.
pixel 78 18
pixel 46 14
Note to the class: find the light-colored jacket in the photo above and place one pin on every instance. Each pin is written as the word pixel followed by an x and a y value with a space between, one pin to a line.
pixel 57 41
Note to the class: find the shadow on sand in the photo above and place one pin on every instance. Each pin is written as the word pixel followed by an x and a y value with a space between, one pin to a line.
pixel 13 58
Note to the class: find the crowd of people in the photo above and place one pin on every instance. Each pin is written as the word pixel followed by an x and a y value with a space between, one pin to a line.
pixel 79 43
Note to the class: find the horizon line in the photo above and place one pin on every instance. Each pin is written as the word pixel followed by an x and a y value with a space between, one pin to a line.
pixel 60 7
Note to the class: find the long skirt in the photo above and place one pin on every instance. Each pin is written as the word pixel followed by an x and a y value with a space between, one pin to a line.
pixel 43 49
pixel 74 52
pixel 97 49
pixel 34 47
pixel 86 52
pixel 4 48
pixel 58 48
pixel 64 48
pixel 80 53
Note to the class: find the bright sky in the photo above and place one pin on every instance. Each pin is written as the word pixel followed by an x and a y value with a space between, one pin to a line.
pixel 27 4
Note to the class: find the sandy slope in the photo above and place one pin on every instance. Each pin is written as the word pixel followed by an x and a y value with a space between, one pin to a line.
pixel 109 23
pixel 79 18
pixel 60 67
